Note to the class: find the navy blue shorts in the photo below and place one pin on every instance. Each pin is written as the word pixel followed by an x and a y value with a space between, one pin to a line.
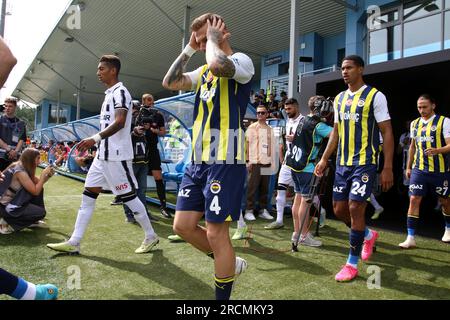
pixel 302 182
pixel 215 189
pixel 354 182
pixel 422 182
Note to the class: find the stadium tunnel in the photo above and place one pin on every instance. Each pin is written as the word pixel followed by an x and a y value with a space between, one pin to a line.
pixel 402 81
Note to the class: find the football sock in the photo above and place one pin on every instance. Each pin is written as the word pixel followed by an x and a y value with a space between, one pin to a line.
pixel 367 234
pixel 223 287
pixel 84 216
pixel 241 222
pixel 374 202
pixel 141 217
pixel 411 224
pixel 356 242
pixel 16 287
pixel 281 203
pixel 161 191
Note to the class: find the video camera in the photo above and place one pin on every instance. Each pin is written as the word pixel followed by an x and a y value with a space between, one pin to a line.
pixel 324 109
pixel 146 115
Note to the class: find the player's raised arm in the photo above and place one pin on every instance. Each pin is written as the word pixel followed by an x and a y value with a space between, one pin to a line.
pixel 218 61
pixel 176 78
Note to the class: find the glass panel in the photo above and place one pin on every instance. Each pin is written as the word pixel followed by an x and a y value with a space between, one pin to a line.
pixel 416 9
pixel 39 115
pixel 421 36
pixel 447 30
pixel 388 17
pixel 385 44
pixel 447 4
pixel 63 113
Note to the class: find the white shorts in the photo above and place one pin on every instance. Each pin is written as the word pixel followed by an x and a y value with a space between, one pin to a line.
pixel 117 176
pixel 285 176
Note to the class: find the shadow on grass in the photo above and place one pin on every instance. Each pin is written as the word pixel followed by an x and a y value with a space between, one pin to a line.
pixel 31 237
pixel 165 273
pixel 390 279
pixel 290 260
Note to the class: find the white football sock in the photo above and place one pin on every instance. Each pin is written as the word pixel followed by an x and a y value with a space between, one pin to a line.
pixel 83 218
pixel 30 293
pixel 374 202
pixel 281 203
pixel 241 222
pixel 141 217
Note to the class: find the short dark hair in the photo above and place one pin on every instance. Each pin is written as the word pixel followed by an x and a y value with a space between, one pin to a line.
pixel 291 101
pixel 356 59
pixel 428 97
pixel 112 61
pixel 11 100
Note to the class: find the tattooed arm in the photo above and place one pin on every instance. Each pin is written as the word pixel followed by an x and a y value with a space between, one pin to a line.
pixel 176 79
pixel 218 62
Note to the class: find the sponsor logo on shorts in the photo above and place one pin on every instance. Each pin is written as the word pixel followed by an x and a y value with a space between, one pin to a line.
pixel 445 183
pixel 121 187
pixel 184 193
pixel 215 187
pixel 365 178
pixel 413 187
pixel 338 189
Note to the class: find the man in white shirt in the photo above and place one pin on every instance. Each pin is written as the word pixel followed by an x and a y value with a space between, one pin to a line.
pixel 112 168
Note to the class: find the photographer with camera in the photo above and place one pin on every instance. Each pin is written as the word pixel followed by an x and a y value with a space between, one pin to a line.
pixel 12 134
pixel 139 125
pixel 306 142
pixel 150 116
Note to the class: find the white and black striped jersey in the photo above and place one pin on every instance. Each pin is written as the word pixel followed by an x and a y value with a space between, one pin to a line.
pixel 118 147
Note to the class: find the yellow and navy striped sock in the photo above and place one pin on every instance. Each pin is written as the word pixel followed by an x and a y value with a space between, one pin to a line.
pixel 223 287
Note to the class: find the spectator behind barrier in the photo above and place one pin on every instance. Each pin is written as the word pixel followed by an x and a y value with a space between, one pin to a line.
pixel 22 193
pixel 85 159
pixel 12 134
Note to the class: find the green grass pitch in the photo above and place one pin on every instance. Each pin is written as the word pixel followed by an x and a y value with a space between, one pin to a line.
pixel 108 268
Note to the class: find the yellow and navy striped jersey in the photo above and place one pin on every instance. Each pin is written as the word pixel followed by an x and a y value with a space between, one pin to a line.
pixel 220 106
pixel 358 130
pixel 425 136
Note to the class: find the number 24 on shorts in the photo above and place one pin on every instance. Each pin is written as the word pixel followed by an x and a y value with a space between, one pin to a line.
pixel 358 189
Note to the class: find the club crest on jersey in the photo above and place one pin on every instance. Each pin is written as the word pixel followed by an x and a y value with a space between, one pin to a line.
pixel 365 178
pixel 433 128
pixel 206 94
pixel 215 187
pixel 349 102
pixel 361 103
